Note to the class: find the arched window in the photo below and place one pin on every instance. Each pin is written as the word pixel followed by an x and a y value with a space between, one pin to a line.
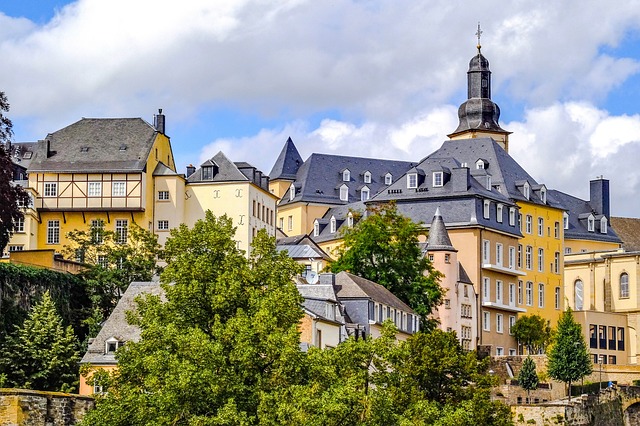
pixel 346 175
pixel 292 192
pixel 367 177
pixel 332 224
pixel 624 285
pixel 344 193
pixel 316 228
pixel 350 220
pixel 578 294
pixel 388 178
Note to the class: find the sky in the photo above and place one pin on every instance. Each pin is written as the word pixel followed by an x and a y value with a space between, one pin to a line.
pixel 374 78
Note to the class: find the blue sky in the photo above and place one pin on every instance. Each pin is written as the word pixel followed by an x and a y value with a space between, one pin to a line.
pixel 377 78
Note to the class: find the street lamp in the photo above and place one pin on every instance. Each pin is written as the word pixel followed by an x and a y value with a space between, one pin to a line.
pixel 600 359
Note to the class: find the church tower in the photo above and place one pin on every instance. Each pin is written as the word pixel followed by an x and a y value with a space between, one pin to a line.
pixel 479 115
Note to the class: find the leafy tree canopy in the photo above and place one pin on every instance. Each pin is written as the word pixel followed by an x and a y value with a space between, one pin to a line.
pixel 42 354
pixel 527 377
pixel 383 247
pixel 533 332
pixel 568 358
pixel 12 196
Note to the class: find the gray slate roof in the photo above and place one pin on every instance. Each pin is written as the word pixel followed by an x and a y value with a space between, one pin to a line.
pixel 96 145
pixel 438 236
pixel 628 229
pixel 320 177
pixel 349 286
pixel 287 163
pixel 225 170
pixel 117 326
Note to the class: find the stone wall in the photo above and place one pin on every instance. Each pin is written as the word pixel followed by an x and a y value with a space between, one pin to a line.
pixel 580 412
pixel 21 407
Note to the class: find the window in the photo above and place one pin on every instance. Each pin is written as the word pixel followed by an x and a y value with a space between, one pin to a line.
pixel 556 298
pixel 485 209
pixel 388 179
pixel 527 190
pixel 488 183
pixel 512 216
pixel 512 257
pixel 556 262
pixel 593 336
pixel 519 292
pixel 465 311
pixel 499 351
pixel 520 221
pixel 486 251
pixel 512 322
pixel 207 173
pixel 486 283
pixel 624 285
pixel 512 294
pixel 53 232
pixel 51 189
pixel 543 195
pixel 465 289
pixel 119 189
pixel 15 247
pixel 367 177
pixel 412 180
pixel 102 260
pixel 591 224
pixel 540 260
pixel 519 263
pixel 528 257
pixel 556 230
pixel 438 178
pixel 163 195
pixel 281 222
pixel 603 225
pixel 94 189
pixel 290 222
pixel 332 224
pixel 602 336
pixel 540 226
pixel 447 258
pixel 447 303
pixel 499 209
pixel 364 194
pixel 499 291
pixel 292 192
pixel 512 352
pixel 499 323
pixel 529 224
pixel 498 254
pixel 122 231
pixel 565 220
pixel 350 220
pixel 163 225
pixel 97 231
pixel 431 257
pixel 540 295
pixel 621 338
pixel 316 228
pixel 486 321
pixel 344 193
pixel 18 225
pixel 578 295
pixel 479 164
pixel 346 175
pixel 529 293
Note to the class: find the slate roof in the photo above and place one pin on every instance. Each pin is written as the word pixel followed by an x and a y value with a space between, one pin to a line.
pixel 227 171
pixel 438 236
pixel 317 296
pixel 96 145
pixel 117 326
pixel 287 163
pixel 349 286
pixel 162 170
pixel 319 178
pixel 628 229
pixel 579 210
pixel 22 153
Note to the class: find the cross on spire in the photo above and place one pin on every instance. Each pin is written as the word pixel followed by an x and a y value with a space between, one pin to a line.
pixel 479 33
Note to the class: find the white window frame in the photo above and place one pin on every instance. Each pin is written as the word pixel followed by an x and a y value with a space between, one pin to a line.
pixel 527 190
pixel 529 293
pixel 94 189
pixel 344 193
pixel 486 209
pixel 540 260
pixel 486 251
pixel 499 291
pixel 346 175
pixel 290 222
pixel 486 320
pixel 18 225
pixel 350 220
pixel 119 189
pixel 163 195
pixel 512 216
pixel 486 289
pixel 163 225
pixel 388 179
pixel 543 195
pixel 364 193
pixel 512 322
pixel 603 225
pixel 529 224
pixel 565 220
pixel 292 192
pixel 438 179
pixel 97 228
pixel 520 292
pixel 528 258
pixel 578 290
pixel 499 254
pixel 512 257
pixel 367 177
pixel 512 294
pixel 556 262
pixel 50 189
pixel 499 324
pixel 540 226
pixel 540 295
pixel 332 225
pixel 316 228
pixel 412 180
pixel 499 212
pixel 591 224
pixel 122 231
pixel 53 232
pixel 624 285
pixel 557 298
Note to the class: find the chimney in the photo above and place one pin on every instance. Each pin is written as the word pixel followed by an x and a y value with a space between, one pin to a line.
pixel 327 278
pixel 50 153
pixel 158 121
pixel 190 170
pixel 599 196
pixel 460 179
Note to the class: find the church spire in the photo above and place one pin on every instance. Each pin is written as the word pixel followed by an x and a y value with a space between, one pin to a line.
pixel 479 115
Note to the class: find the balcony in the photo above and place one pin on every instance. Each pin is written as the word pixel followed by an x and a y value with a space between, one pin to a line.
pixel 501 306
pixel 503 269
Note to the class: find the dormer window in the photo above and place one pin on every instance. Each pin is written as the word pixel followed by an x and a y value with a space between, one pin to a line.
pixel 499 212
pixel 344 193
pixel 480 164
pixel 207 173
pixel 111 345
pixel 350 220
pixel 543 195
pixel 346 175
pixel 512 216
pixel 388 179
pixel 485 209
pixel 603 225
pixel 488 183
pixel 565 220
pixel 438 179
pixel 526 190
pixel 367 177
pixel 364 193
pixel 412 180
pixel 316 228
pixel 292 192
pixel 332 225
pixel 591 224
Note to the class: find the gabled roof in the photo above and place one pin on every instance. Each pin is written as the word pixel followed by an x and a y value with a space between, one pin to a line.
pixel 96 145
pixel 227 171
pixel 287 163
pixel 628 229
pixel 162 170
pixel 117 326
pixel 320 177
pixel 349 286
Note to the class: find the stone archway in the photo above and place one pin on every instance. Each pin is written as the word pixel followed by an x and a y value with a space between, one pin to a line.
pixel 631 414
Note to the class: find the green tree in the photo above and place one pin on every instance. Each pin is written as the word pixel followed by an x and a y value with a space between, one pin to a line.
pixel 568 358
pixel 225 336
pixel 112 264
pixel 41 354
pixel 527 377
pixel 383 247
pixel 12 196
pixel 533 332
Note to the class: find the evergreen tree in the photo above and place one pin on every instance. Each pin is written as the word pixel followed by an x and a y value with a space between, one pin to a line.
pixel 527 377
pixel 41 354
pixel 568 358
pixel 383 247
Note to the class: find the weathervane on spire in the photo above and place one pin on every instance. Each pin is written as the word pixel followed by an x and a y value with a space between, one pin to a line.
pixel 479 33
